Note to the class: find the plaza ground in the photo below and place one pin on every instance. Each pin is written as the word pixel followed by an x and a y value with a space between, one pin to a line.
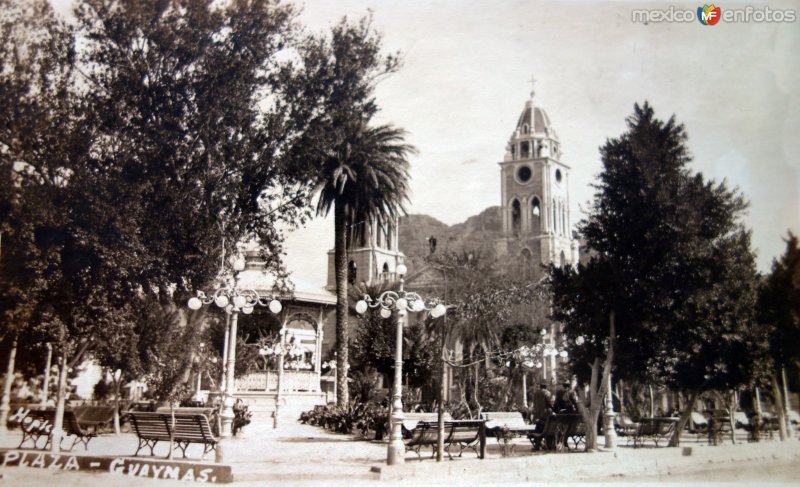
pixel 296 454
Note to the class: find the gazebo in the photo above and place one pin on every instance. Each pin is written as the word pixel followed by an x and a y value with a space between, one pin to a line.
pixel 290 347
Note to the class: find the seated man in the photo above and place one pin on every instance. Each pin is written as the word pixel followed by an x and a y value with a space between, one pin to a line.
pixel 567 400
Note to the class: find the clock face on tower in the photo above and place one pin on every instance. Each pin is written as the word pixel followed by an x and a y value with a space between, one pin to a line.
pixel 524 174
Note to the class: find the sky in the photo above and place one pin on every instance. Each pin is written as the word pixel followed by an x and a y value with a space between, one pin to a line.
pixel 466 76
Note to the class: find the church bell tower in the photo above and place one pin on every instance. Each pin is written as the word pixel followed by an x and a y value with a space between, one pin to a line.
pixel 372 254
pixel 537 227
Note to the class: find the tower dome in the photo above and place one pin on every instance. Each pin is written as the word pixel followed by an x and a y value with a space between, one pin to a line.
pixel 533 137
pixel 534 121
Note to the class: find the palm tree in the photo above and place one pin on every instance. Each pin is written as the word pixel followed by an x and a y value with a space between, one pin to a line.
pixel 364 178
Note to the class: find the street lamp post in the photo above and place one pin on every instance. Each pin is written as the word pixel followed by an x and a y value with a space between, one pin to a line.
pixel 46 383
pixel 608 428
pixel 240 300
pixel 402 301
pixel 225 350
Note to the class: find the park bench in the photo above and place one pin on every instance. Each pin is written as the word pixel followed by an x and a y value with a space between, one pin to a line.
pixel 769 425
pixel 211 413
pixel 464 434
pixel 502 424
pixel 512 421
pixel 655 429
pixel 421 429
pixel 698 424
pixel 150 428
pixel 413 420
pixel 34 424
pixel 625 426
pixel 719 424
pixel 207 412
pixel 558 429
pixel 576 431
pixel 73 428
pixel 95 417
pixel 740 420
pixel 38 424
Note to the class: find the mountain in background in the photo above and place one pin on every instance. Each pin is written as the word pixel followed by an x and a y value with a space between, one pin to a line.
pixel 479 232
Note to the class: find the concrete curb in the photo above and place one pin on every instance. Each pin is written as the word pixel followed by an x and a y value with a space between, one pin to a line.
pixel 603 465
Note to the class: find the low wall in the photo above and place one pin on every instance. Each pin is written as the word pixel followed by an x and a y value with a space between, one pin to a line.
pixel 132 467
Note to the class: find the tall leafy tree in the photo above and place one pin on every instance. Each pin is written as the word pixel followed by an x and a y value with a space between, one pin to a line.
pixel 360 170
pixel 133 164
pixel 187 154
pixel 39 137
pixel 581 302
pixel 189 137
pixel 779 311
pixel 669 261
pixel 714 343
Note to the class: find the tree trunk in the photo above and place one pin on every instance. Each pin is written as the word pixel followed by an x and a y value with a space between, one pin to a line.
pixel 778 400
pixel 462 389
pixel 652 401
pixel 686 414
pixel 172 429
pixel 507 393
pixel 58 427
pixel 342 335
pixel 591 413
pixel 475 391
pixel 5 403
pixel 787 422
pixel 730 405
pixel 116 403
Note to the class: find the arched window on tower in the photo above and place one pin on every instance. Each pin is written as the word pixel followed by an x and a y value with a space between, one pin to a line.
pixel 554 225
pixel 516 216
pixel 525 129
pixel 389 239
pixel 536 214
pixel 563 259
pixel 524 150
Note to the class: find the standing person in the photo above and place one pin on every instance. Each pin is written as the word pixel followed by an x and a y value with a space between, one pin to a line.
pixel 542 403
pixel 542 408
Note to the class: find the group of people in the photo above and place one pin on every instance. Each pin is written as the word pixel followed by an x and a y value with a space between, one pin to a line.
pixel 545 403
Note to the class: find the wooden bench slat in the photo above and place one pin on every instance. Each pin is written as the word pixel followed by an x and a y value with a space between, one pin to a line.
pixel 184 429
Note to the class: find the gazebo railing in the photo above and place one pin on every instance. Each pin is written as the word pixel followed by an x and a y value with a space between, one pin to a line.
pixel 292 381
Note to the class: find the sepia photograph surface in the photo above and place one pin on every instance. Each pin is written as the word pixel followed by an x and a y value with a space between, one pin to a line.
pixel 370 242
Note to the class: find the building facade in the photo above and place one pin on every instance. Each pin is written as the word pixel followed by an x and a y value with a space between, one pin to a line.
pixel 372 255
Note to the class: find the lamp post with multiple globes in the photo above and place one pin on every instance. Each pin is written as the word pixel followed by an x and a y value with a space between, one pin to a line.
pixel 231 298
pixel 535 357
pixel 402 301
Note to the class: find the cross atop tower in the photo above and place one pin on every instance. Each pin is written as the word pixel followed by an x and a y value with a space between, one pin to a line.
pixel 533 84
